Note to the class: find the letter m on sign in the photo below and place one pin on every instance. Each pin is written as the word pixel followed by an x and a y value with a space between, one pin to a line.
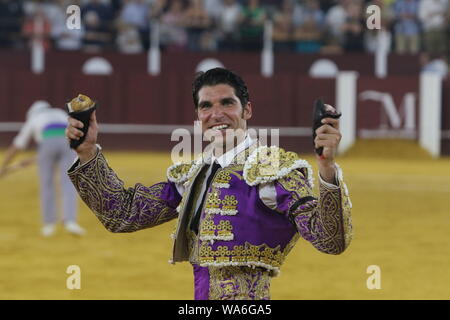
pixel 393 117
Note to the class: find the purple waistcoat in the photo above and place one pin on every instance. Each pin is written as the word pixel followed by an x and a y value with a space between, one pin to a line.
pixel 237 228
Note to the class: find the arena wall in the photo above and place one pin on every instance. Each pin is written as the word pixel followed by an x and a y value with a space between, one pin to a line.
pixel 132 96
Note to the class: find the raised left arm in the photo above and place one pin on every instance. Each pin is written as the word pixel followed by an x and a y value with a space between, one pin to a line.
pixel 324 222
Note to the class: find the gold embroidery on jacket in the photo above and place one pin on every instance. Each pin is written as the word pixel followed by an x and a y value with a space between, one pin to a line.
pixel 267 164
pixel 238 283
pixel 213 202
pixel 248 254
pixel 229 205
pixel 327 225
pixel 120 209
pixel 211 231
pixel 222 180
pixel 179 172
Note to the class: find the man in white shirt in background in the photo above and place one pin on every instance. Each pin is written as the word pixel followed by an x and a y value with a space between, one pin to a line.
pixel 228 23
pixel 46 125
pixel 432 16
pixel 335 19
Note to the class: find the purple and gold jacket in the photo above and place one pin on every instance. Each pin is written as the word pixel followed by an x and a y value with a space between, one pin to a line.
pixel 254 212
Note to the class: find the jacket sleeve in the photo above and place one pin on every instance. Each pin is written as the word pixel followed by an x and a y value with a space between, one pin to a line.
pixel 120 209
pixel 324 222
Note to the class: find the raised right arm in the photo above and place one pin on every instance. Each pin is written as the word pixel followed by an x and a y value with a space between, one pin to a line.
pixel 120 209
pixel 117 208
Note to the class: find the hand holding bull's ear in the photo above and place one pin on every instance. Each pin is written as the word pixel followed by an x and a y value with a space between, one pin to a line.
pixel 81 108
pixel 321 112
pixel 87 149
pixel 326 136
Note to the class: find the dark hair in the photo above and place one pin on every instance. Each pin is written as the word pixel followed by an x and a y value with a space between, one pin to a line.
pixel 217 76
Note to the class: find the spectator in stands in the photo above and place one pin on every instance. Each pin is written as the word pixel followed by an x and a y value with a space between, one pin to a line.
pixel 432 15
pixel 208 41
pixel 134 17
pixel 308 31
pixel 354 28
pixel 252 19
pixel 270 4
pixel 135 13
pixel 334 21
pixel 96 37
pixel 11 19
pixel 197 22
pixel 214 9
pixel 173 33
pixel 97 18
pixel 157 9
pixel 326 5
pixel 297 11
pixel 407 26
pixel 37 28
pixel 54 8
pixel 102 9
pixel 228 25
pixel 283 27
pixel 115 6
pixel 128 39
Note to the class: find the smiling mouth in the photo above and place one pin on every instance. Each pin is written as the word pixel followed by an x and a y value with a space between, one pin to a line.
pixel 220 127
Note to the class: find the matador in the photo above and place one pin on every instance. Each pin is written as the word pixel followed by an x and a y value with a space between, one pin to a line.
pixel 241 206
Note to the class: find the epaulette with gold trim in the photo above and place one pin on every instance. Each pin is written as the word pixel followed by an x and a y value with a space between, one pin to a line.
pixel 179 172
pixel 266 164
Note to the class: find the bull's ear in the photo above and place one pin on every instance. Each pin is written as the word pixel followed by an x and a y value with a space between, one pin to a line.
pixel 320 111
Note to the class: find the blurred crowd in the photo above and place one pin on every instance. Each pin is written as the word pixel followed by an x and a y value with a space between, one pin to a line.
pixel 306 26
